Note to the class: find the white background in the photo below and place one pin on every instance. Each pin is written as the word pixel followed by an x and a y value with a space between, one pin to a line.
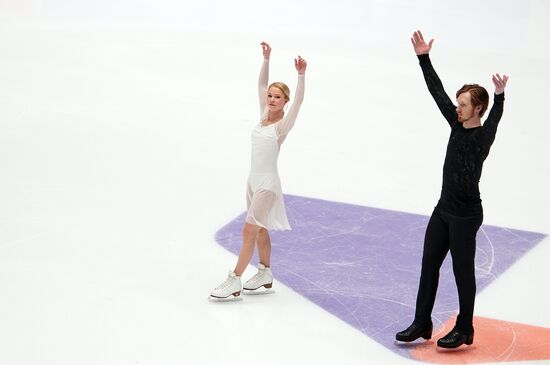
pixel 124 146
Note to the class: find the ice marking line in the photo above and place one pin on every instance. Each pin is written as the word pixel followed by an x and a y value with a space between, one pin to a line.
pixel 365 273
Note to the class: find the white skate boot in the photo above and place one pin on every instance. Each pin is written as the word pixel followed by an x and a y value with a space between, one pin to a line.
pixel 262 279
pixel 229 290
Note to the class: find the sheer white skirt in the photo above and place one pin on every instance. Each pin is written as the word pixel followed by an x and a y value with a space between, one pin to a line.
pixel 265 202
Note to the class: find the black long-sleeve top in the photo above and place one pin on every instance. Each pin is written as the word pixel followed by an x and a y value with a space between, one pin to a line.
pixel 467 149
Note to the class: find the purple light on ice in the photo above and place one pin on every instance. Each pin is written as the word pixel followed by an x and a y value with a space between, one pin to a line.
pixel 362 264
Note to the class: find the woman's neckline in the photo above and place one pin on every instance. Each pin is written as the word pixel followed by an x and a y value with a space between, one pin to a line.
pixel 267 125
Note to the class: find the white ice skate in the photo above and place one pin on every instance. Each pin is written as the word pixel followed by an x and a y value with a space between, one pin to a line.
pixel 229 290
pixel 261 283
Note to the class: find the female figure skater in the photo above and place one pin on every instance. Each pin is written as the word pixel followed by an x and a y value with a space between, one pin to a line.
pixel 266 209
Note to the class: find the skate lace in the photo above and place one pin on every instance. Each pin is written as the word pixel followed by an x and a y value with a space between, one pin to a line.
pixel 225 284
pixel 257 277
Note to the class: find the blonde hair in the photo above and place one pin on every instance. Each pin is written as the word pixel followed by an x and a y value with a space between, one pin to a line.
pixel 284 89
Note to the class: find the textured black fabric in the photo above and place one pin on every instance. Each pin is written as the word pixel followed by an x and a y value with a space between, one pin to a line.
pixel 467 149
pixel 458 234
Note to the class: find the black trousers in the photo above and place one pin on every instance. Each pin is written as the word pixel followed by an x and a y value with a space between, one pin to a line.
pixel 458 234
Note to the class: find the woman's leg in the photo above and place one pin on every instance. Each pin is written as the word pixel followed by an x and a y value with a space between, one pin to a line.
pixel 264 247
pixel 250 232
pixel 260 203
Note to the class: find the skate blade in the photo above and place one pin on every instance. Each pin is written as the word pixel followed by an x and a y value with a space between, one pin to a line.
pixel 259 291
pixel 231 298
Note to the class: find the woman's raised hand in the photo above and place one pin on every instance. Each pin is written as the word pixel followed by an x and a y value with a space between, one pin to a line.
pixel 300 65
pixel 266 50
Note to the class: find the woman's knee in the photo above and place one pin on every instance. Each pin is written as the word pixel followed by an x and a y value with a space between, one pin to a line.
pixel 250 229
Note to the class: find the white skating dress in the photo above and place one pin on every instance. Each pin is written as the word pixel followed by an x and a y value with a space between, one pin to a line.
pixel 265 204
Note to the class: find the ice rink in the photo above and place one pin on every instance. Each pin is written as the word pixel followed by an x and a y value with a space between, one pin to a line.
pixel 125 148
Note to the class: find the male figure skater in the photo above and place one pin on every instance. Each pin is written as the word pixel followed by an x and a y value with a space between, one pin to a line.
pixel 459 213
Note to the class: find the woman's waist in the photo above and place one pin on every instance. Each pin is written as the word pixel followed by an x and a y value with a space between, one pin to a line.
pixel 260 165
pixel 264 171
